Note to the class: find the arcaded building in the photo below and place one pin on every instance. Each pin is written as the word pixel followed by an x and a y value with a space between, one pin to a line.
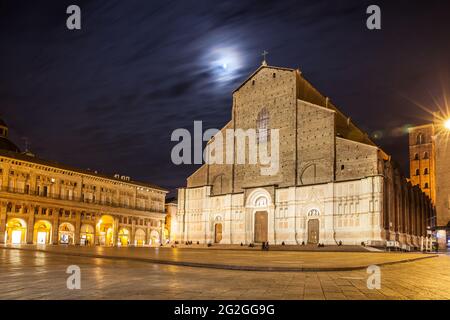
pixel 334 185
pixel 429 154
pixel 44 202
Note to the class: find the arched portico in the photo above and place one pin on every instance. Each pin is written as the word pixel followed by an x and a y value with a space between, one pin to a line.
pixel 42 232
pixel 154 237
pixel 87 233
pixel 124 237
pixel 105 230
pixel 66 233
pixel 139 238
pixel 16 231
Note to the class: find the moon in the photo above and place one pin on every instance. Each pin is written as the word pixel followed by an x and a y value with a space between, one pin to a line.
pixel 225 63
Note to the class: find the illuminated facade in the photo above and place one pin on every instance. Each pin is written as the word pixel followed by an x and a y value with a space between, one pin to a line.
pixel 42 202
pixel 429 154
pixel 334 184
pixel 171 218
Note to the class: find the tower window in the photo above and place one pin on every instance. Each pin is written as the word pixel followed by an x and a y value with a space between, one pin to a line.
pixel 426 156
pixel 416 156
pixel 425 171
pixel 420 138
pixel 417 172
pixel 426 186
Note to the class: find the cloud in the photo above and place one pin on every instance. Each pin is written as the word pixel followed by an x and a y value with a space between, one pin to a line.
pixel 108 97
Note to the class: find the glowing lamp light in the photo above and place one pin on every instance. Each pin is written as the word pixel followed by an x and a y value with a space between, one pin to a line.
pixel 447 124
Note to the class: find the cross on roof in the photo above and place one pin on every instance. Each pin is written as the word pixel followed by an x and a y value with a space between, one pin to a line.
pixel 264 54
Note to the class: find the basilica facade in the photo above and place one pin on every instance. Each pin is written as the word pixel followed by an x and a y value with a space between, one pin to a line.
pixel 333 186
pixel 44 202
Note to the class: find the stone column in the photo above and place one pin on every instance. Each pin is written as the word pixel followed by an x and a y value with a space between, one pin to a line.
pixel 407 210
pixel 77 227
pixel 147 235
pixel 421 216
pixel 116 231
pixel 133 231
pixel 396 203
pixel 417 216
pixel 411 214
pixel 55 228
pixel 162 238
pixel 30 226
pixel 97 220
pixel 3 206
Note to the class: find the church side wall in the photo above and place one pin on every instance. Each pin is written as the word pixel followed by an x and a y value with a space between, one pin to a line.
pixel 443 181
pixel 355 160
pixel 198 178
pixel 316 141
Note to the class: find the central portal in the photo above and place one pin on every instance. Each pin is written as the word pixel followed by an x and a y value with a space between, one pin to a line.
pixel 261 227
pixel 313 231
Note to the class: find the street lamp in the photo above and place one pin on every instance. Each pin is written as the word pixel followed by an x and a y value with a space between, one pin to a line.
pixel 447 124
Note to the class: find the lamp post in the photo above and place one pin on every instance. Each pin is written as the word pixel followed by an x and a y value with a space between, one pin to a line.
pixel 447 124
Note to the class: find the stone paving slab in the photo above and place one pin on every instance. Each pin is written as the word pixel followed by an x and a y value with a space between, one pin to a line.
pixel 275 261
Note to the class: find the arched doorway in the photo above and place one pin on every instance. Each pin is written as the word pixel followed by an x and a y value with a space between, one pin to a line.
pixel 139 238
pixel 261 226
pixel 16 231
pixel 66 233
pixel 87 235
pixel 42 232
pixel 124 237
pixel 105 229
pixel 154 237
pixel 313 231
pixel 217 233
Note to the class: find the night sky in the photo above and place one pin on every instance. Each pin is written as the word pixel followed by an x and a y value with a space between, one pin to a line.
pixel 107 97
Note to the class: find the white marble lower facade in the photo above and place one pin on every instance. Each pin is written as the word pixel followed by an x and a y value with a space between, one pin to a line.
pixel 349 212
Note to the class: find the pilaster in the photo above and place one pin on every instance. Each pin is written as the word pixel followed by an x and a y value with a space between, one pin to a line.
pixel 3 206
pixel 77 228
pixel 55 228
